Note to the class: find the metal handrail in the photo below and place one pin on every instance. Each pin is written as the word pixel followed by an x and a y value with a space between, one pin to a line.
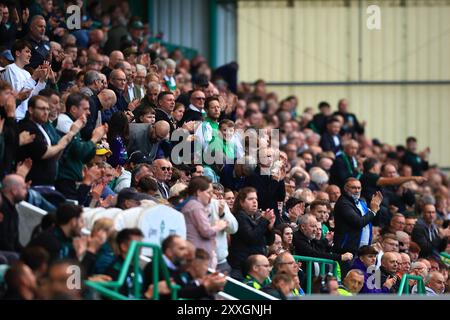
pixel 404 286
pixel 322 262
pixel 110 288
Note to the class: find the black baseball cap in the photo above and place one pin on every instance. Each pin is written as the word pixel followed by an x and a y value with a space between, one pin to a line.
pixel 138 157
pixel 292 202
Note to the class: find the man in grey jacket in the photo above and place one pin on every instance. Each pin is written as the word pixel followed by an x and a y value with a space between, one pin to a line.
pixel 147 138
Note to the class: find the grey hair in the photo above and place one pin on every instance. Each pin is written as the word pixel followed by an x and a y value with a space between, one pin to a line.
pixel 153 85
pixel 357 271
pixel 304 219
pixel 90 77
pixel 318 175
pixel 170 63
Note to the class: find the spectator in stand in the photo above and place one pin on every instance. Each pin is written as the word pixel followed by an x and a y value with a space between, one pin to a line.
pixel 148 138
pixel 255 230
pixel 352 284
pixel 123 242
pixel 78 152
pixel 294 209
pixel 431 239
pixel 257 271
pixel 286 237
pixel 65 241
pixel 353 219
pixel 21 283
pixel 331 140
pixel 345 166
pixel 319 121
pixel 351 124
pixel 118 139
pixel 14 190
pixel 175 254
pixel 435 284
pixel 366 263
pixel 306 245
pixel 21 80
pixel 199 230
pixel 162 171
pixel 417 162
pixel 388 269
pixel 268 183
pixel 41 151
pixel 285 263
pixel 195 111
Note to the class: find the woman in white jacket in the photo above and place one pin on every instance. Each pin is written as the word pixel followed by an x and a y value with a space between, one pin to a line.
pixel 218 209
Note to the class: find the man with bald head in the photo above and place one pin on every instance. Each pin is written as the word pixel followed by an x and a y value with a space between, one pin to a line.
pixel 345 165
pixel 352 284
pixel 435 284
pixel 115 57
pixel 99 107
pixel 162 171
pixel 389 268
pixel 147 138
pixel 257 271
pixel 14 189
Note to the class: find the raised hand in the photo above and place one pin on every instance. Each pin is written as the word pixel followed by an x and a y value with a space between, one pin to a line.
pixel 133 104
pixel 26 138
pixel 78 124
pixel 23 94
pixel 25 15
pixel 377 198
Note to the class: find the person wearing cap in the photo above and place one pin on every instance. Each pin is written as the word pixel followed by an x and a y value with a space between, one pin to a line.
pixel 130 198
pixel 102 153
pixel 294 208
pixel 136 34
pixel 367 256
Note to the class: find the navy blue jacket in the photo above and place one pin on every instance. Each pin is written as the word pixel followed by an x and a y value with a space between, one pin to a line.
pixel 349 224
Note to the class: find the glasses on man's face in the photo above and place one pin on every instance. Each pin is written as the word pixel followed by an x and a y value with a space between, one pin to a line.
pixel 199 98
pixel 355 187
pixel 120 79
pixel 166 168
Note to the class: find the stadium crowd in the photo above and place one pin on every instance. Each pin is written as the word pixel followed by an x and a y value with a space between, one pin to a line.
pixel 95 117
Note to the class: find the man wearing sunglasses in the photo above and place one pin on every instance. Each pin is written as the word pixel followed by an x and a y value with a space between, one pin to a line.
pixel 162 172
pixel 195 110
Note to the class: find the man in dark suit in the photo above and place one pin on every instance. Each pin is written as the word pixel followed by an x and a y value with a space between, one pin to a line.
pixel 331 140
pixel 306 245
pixel 430 238
pixel 345 165
pixel 195 110
pixel 353 220
pixel 319 121
pixel 166 103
